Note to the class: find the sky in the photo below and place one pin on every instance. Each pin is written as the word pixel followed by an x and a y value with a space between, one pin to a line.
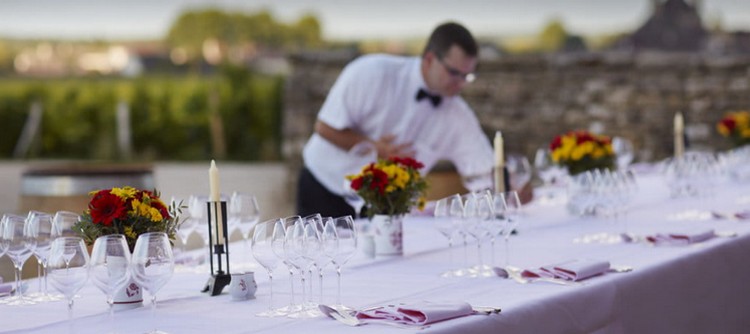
pixel 345 19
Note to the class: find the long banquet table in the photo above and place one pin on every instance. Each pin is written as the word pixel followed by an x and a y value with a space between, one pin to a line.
pixel 700 288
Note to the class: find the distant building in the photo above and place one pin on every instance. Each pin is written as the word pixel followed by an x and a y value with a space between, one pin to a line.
pixel 674 26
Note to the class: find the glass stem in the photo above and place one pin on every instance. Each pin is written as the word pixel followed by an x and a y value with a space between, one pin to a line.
pixel 320 283
pixel 291 282
pixel 44 272
pixel 507 251
pixel 492 251
pixel 270 289
pixel 153 311
pixel 39 273
pixel 19 291
pixel 338 294
pixel 479 255
pixel 304 295
pixel 71 329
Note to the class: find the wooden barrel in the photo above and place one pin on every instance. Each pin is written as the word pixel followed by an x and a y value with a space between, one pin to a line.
pixel 51 188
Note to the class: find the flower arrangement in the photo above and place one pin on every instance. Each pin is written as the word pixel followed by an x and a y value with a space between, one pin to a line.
pixel 127 211
pixel 579 151
pixel 391 186
pixel 736 127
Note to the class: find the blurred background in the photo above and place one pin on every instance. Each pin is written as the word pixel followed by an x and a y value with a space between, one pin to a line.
pixel 172 84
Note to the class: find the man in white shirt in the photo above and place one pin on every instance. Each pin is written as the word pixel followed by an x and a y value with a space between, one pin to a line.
pixel 401 106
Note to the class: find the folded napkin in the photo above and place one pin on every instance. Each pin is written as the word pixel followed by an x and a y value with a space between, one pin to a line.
pixel 572 270
pixel 418 314
pixel 680 238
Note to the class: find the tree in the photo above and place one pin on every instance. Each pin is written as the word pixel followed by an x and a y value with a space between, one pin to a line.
pixel 553 36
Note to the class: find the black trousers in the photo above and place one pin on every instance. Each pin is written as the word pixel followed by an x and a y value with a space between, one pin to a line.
pixel 313 197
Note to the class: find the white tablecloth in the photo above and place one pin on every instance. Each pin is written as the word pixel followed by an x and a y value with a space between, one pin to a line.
pixel 701 288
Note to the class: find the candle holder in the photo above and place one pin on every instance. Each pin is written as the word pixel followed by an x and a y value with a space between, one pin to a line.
pixel 219 248
pixel 502 170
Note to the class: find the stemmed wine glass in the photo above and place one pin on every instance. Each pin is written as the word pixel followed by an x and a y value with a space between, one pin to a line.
pixel 109 266
pixel 68 268
pixel 63 223
pixel 263 252
pixel 244 211
pixel 152 265
pixel 277 245
pixel 446 226
pixel 197 210
pixel 519 170
pixel 623 149
pixel 293 249
pixel 323 257
pixel 548 172
pixel 508 206
pixel 39 227
pixel 342 230
pixel 18 246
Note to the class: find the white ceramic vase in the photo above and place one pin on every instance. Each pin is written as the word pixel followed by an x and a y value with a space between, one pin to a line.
pixel 388 235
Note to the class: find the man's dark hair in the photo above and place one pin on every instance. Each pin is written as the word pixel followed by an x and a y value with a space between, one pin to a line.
pixel 448 34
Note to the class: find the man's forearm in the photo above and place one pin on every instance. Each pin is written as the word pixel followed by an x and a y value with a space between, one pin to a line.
pixel 345 139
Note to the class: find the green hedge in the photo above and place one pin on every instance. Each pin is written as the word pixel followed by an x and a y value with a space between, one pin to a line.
pixel 170 116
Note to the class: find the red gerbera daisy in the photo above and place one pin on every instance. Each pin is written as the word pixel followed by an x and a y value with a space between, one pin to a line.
pixel 106 207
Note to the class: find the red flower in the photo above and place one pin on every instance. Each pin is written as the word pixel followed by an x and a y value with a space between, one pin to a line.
pixel 106 207
pixel 729 123
pixel 357 183
pixel 379 180
pixel 557 142
pixel 583 137
pixel 407 161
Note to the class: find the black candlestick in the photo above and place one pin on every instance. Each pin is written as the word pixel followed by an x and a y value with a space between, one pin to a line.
pixel 217 214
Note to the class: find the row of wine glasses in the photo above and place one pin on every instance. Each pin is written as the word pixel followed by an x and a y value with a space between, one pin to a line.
pixel 111 265
pixel 21 237
pixel 606 194
pixel 553 174
pixel 303 244
pixel 480 217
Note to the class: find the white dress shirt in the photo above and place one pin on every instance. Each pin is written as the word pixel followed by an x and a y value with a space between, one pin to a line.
pixel 375 95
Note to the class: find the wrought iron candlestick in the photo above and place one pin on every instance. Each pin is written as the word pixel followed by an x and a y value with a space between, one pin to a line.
pixel 218 247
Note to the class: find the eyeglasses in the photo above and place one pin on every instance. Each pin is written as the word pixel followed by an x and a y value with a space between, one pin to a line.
pixel 468 77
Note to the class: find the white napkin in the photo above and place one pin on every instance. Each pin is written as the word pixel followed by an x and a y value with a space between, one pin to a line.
pixel 418 314
pixel 572 270
pixel 680 238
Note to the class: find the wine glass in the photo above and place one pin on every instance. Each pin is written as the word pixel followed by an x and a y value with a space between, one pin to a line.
pixel 548 172
pixel 519 170
pixel 39 227
pixel 263 252
pixel 63 223
pixel 293 249
pixel 244 210
pixel 197 209
pixel 152 265
pixel 446 226
pixel 277 244
pixel 109 266
pixel 18 246
pixel 508 206
pixel 342 229
pixel 623 149
pixel 68 268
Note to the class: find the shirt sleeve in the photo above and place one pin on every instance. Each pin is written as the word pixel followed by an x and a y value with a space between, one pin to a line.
pixel 351 96
pixel 470 151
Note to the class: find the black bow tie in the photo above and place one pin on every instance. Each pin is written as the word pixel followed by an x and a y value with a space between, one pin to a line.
pixel 434 99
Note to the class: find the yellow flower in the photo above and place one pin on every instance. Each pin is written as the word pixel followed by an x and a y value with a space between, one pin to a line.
pixel 141 209
pixel 398 176
pixel 421 203
pixel 130 233
pixel 745 133
pixel 124 192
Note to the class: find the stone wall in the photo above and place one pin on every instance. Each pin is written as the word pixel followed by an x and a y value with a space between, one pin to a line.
pixel 533 98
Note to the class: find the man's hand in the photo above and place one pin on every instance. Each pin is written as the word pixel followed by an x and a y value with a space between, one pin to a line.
pixel 387 148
